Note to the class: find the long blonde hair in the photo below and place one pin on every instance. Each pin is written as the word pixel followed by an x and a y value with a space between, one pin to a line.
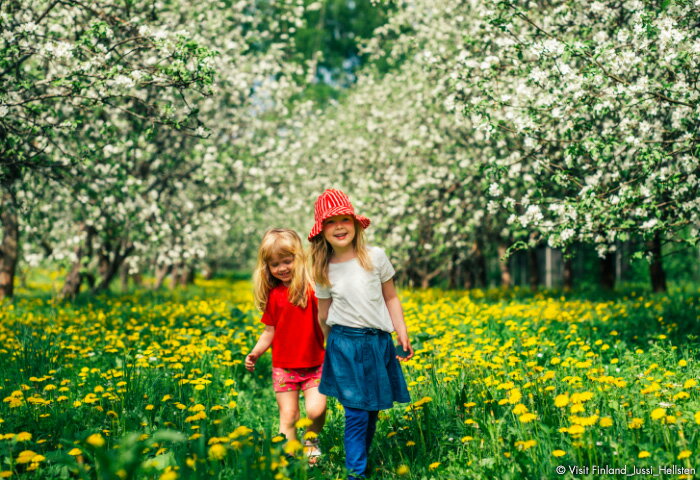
pixel 281 242
pixel 321 253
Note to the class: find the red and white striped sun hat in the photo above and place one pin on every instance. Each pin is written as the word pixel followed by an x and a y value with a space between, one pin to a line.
pixel 329 204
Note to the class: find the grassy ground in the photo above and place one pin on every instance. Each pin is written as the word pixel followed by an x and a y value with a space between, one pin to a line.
pixel 505 384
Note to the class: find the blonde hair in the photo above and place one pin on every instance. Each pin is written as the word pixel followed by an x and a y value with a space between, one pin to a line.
pixel 321 253
pixel 281 242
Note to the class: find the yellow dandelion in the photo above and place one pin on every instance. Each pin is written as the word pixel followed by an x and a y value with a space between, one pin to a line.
pixel 278 438
pixel 558 453
pixel 75 452
pixel 467 439
pixel 23 437
pixel 26 456
pixel 658 413
pixel 292 446
pixel 169 475
pixel 527 417
pixel 606 422
pixel 217 452
pixel 434 465
pixel 519 409
pixel 410 443
pixel 697 417
pixel 636 423
pixel 644 454
pixel 303 423
pixel 403 470
pixel 684 454
pixel 5 474
pixel 561 400
pixel 96 440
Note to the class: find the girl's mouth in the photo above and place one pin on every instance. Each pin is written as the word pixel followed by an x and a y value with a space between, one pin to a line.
pixel 340 236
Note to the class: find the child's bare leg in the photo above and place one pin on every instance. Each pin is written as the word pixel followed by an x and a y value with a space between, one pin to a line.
pixel 315 403
pixel 288 403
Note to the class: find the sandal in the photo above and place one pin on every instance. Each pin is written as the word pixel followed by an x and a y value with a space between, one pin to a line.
pixel 311 451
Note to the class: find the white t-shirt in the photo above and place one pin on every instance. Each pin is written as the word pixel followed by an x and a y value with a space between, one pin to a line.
pixel 357 294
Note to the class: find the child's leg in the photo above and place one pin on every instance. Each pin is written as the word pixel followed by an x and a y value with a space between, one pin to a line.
pixel 288 403
pixel 356 430
pixel 315 403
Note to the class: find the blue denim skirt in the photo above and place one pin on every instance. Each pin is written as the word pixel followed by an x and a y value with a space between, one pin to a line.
pixel 361 370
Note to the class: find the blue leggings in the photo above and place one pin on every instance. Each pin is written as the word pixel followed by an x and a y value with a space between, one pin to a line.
pixel 360 426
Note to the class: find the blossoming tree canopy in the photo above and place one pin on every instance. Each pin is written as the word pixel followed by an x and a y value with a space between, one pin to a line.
pixel 90 93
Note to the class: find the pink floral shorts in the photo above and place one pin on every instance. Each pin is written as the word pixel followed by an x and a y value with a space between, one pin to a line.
pixel 295 379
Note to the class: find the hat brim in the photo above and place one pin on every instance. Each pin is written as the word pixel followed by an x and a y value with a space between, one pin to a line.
pixel 341 210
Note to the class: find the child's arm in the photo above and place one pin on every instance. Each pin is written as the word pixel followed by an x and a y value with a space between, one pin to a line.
pixel 393 304
pixel 324 304
pixel 261 347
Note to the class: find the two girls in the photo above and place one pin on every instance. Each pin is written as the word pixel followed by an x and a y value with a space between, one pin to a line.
pixel 357 303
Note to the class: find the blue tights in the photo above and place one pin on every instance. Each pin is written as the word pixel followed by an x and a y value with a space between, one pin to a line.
pixel 360 426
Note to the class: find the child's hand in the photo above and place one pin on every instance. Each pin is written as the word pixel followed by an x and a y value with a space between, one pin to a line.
pixel 406 345
pixel 250 361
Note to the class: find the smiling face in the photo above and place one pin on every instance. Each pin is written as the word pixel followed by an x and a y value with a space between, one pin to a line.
pixel 339 231
pixel 282 267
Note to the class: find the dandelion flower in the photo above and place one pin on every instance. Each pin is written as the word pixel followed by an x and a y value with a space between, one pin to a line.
pixel 558 453
pixel 75 452
pixel 217 452
pixel 26 456
pixel 434 465
pixel 403 470
pixel 684 454
pixel 303 423
pixel 96 440
pixel 169 475
pixel 606 422
pixel 527 417
pixel 23 437
pixel 644 454
pixel 658 413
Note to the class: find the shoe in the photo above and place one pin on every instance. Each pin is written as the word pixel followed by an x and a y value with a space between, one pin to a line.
pixel 311 451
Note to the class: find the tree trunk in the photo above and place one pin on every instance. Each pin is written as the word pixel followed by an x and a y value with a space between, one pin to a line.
pixel 607 271
pixel 124 277
pixel 534 268
pixel 9 248
pixel 568 274
pixel 480 266
pixel 656 267
pixel 175 275
pixel 113 263
pixel 161 273
pixel 506 278
pixel 426 277
pixel 208 271
pixel 74 279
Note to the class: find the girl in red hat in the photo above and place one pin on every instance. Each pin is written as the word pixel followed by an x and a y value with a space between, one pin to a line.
pixel 358 302
pixel 283 292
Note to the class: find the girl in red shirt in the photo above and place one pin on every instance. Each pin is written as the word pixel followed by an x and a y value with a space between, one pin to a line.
pixel 290 313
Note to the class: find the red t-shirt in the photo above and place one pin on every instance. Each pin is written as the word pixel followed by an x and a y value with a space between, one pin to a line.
pixel 298 340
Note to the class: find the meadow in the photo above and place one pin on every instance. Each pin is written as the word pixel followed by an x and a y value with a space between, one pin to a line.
pixel 506 384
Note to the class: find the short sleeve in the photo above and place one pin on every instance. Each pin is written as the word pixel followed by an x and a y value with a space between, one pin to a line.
pixel 323 292
pixel 384 267
pixel 270 314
